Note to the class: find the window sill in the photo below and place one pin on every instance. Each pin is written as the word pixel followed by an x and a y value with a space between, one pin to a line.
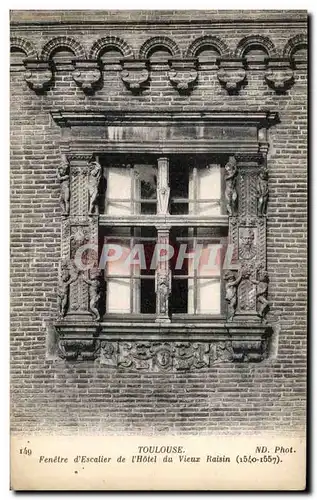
pixel 178 345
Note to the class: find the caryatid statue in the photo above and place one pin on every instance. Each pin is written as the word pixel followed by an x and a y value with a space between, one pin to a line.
pixel 65 278
pixel 93 280
pixel 94 177
pixel 262 188
pixel 231 191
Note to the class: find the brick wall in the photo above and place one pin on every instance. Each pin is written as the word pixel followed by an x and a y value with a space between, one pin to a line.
pixel 68 397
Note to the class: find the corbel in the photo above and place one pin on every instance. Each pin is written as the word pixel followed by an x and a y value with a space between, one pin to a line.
pixel 231 73
pixel 87 74
pixel 135 73
pixel 39 74
pixel 183 73
pixel 279 73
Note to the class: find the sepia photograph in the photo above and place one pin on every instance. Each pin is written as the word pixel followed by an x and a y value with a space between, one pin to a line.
pixel 158 265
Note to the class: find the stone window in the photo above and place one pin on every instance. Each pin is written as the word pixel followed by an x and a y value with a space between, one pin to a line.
pixel 193 186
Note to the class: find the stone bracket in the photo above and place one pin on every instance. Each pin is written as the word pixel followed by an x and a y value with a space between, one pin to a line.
pixel 135 73
pixel 87 75
pixel 39 75
pixel 183 73
pixel 231 74
pixel 279 74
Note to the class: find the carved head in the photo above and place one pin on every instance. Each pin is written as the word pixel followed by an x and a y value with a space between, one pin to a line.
pixel 247 238
pixel 230 276
pixel 64 166
pixel 264 174
pixel 231 164
pixel 263 275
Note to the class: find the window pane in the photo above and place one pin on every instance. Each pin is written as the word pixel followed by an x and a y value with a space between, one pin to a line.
pixel 205 188
pixel 145 189
pixel 195 188
pixel 130 281
pixel 196 269
pixel 118 191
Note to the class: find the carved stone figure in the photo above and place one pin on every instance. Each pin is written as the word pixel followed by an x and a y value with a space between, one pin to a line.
pixel 262 284
pixel 247 248
pixel 262 191
pixel 231 191
pixel 231 288
pixel 63 177
pixel 66 277
pixel 94 178
pixel 163 199
pixel 93 280
pixel 163 293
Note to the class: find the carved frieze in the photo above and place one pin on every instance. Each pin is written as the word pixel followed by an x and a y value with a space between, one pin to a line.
pixel 183 73
pixel 177 356
pixel 231 74
pixel 135 73
pixel 279 74
pixel 87 75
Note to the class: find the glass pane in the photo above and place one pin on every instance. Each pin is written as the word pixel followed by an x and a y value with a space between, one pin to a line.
pixel 205 190
pixel 179 183
pixel 208 296
pixel 145 189
pixel 118 191
pixel 126 258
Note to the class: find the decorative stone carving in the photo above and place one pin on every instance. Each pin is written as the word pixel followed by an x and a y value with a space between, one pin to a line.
pixel 262 188
pixel 231 287
pixel 63 177
pixel 93 280
pixel 163 290
pixel 261 292
pixel 279 75
pixel 87 75
pixel 183 73
pixel 248 351
pixel 94 178
pixel 177 356
pixel 135 73
pixel 231 74
pixel 231 191
pixel 67 274
pixel 163 189
pixel 39 75
pixel 75 350
pixel 247 244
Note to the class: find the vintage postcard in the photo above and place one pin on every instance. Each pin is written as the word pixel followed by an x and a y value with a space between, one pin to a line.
pixel 158 249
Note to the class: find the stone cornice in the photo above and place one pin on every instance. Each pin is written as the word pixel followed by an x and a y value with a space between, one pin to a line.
pixel 72 118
